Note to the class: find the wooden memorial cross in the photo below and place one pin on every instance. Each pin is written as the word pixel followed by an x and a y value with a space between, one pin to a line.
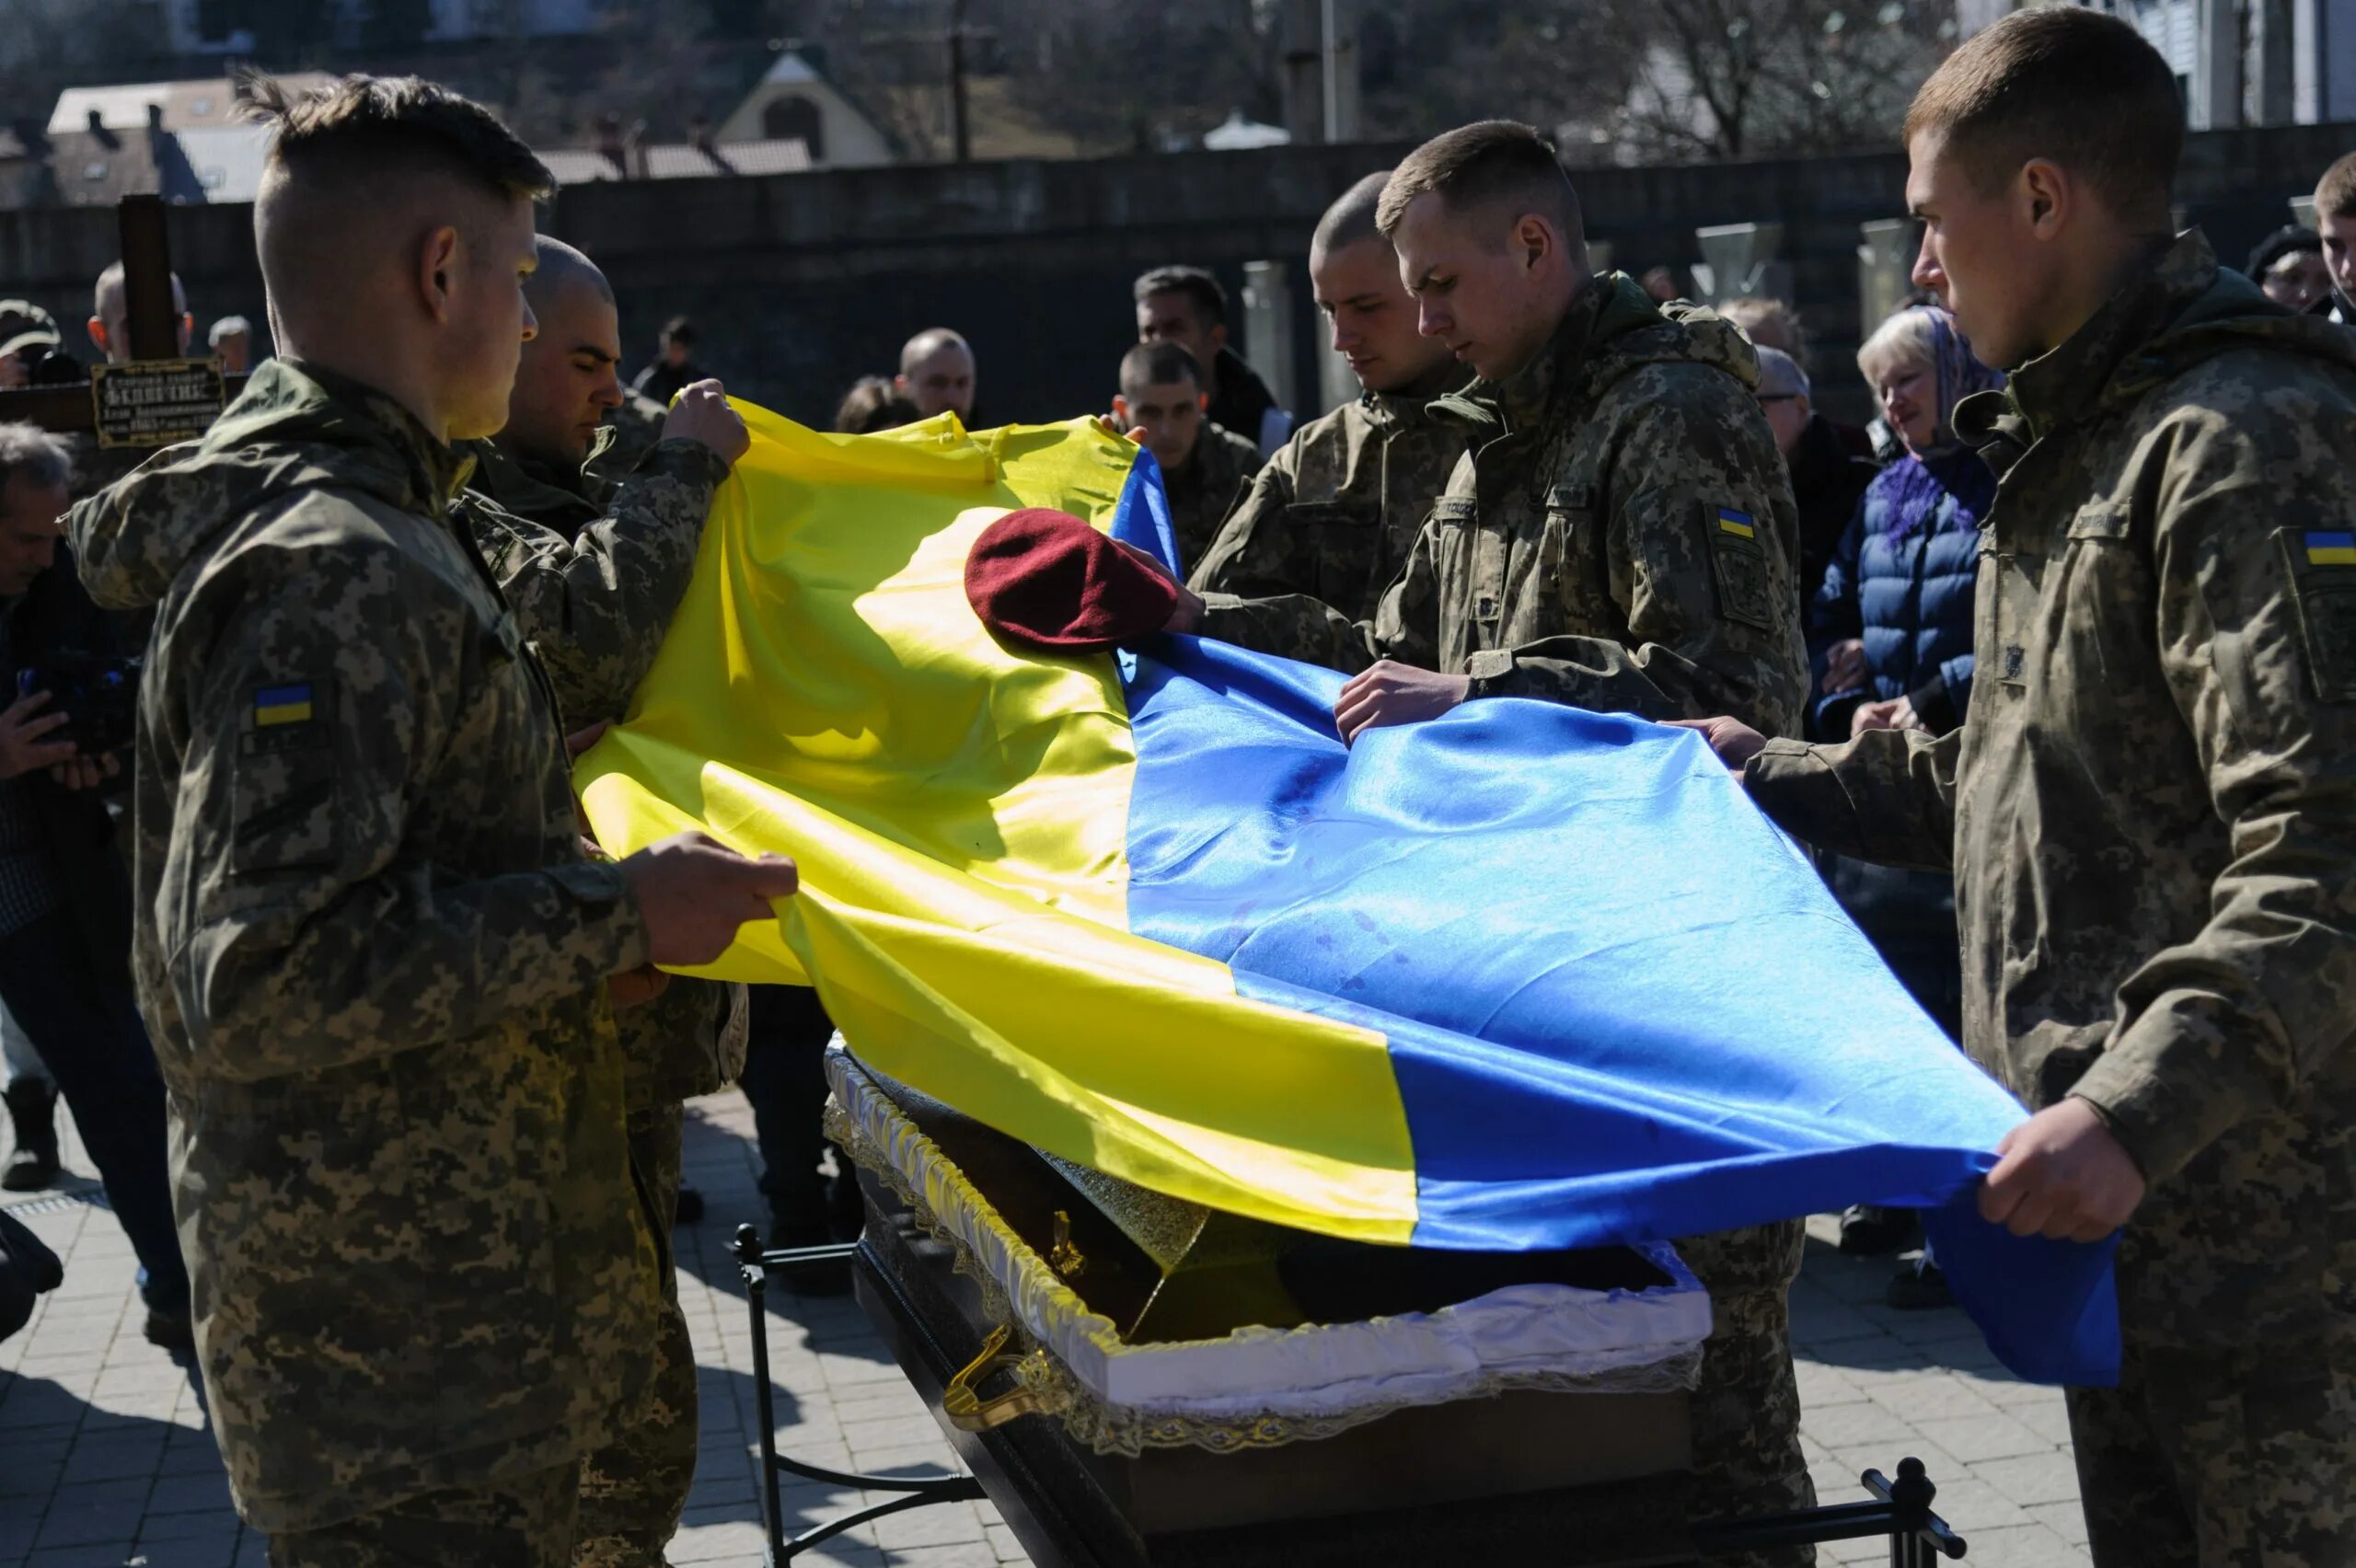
pixel 157 398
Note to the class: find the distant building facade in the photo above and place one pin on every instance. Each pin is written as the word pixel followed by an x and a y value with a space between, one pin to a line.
pixel 2238 62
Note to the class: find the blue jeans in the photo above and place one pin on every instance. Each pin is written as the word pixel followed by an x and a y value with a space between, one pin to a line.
pixel 88 1035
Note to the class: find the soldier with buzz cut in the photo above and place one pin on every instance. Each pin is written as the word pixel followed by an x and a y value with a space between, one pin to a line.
pixel 595 576
pixel 379 967
pixel 1618 536
pixel 1336 514
pixel 2150 814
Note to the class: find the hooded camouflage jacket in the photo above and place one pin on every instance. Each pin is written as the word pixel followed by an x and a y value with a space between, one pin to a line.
pixel 372 958
pixel 1620 533
pixel 1203 493
pixel 595 579
pixel 1336 514
pixel 2151 812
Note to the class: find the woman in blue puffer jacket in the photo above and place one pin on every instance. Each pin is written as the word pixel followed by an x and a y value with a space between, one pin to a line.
pixel 1892 622
pixel 1892 628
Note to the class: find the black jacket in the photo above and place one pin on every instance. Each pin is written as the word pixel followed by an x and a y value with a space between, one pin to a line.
pixel 55 616
pixel 1827 482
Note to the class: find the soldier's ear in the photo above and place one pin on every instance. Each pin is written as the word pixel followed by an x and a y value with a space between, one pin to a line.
pixel 437 266
pixel 1120 407
pixel 1203 401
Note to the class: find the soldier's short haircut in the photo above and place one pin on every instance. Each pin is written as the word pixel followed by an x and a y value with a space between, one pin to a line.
pixel 927 343
pixel 562 265
pixel 679 329
pixel 1488 164
pixel 1351 218
pixel 2069 84
pixel 33 452
pixel 1159 364
pixel 372 128
pixel 2335 191
pixel 230 327
pixel 1201 291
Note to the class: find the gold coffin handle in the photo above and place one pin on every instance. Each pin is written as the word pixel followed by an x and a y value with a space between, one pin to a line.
pixel 968 1411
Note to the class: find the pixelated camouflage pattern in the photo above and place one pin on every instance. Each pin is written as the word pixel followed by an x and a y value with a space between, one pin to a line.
pixel 1203 493
pixel 527 1522
pixel 2151 813
pixel 1745 1412
pixel 1337 512
pixel 1578 553
pixel 2198 1459
pixel 595 576
pixel 630 434
pixel 373 969
pixel 594 572
pixel 634 1489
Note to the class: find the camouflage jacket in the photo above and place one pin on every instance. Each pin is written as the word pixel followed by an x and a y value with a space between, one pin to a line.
pixel 1620 533
pixel 2151 813
pixel 1203 493
pixel 631 433
pixel 372 959
pixel 594 586
pixel 1336 514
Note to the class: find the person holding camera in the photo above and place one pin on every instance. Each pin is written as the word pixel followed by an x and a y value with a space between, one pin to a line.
pixel 64 896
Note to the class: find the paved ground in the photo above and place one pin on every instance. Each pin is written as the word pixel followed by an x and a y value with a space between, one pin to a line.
pixel 105 1458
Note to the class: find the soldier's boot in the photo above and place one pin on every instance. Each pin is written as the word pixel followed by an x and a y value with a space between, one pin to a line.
pixel 32 1112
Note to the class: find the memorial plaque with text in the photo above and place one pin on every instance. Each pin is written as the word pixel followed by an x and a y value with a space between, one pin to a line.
pixel 155 402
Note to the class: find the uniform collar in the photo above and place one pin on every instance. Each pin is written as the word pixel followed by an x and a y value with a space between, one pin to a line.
pixel 437 470
pixel 2069 382
pixel 1412 404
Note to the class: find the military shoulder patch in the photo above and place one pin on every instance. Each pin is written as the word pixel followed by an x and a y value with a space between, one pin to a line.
pixel 1739 563
pixel 288 716
pixel 2324 594
pixel 2330 547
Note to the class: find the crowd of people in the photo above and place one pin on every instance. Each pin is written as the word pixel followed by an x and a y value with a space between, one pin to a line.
pixel 2050 666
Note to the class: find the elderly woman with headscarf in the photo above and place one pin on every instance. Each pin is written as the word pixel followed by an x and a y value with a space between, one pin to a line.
pixel 1893 616
pixel 1893 627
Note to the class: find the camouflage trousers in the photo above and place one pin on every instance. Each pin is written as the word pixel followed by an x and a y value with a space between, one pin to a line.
pixel 1746 1410
pixel 525 1523
pixel 633 1490
pixel 2221 1459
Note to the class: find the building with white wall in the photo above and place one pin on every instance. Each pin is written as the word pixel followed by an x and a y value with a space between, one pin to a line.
pixel 2238 62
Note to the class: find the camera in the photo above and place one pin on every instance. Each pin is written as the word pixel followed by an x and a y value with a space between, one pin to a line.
pixel 100 693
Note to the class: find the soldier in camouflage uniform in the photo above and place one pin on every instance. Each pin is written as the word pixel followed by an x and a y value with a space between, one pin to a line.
pixel 2151 814
pixel 1203 468
pixel 1618 536
pixel 376 960
pixel 636 424
pixel 1336 514
pixel 593 578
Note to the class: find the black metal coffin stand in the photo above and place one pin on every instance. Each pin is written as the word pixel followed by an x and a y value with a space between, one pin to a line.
pixel 1062 1515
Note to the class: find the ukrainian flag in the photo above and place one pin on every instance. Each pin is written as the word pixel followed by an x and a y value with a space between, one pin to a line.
pixel 1522 978
pixel 2330 547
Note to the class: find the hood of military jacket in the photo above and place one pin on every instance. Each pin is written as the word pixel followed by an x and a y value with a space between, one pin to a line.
pixel 296 426
pixel 2180 310
pixel 1611 329
pixel 558 498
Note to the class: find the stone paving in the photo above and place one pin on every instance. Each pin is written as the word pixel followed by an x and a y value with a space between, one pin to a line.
pixel 105 1458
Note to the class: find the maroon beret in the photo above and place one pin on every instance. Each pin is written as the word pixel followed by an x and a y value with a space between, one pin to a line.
pixel 1049 581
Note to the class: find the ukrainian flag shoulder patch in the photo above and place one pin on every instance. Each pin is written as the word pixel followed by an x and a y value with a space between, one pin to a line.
pixel 2330 547
pixel 276 705
pixel 1738 523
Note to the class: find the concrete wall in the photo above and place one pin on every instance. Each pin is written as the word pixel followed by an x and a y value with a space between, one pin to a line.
pixel 801 282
